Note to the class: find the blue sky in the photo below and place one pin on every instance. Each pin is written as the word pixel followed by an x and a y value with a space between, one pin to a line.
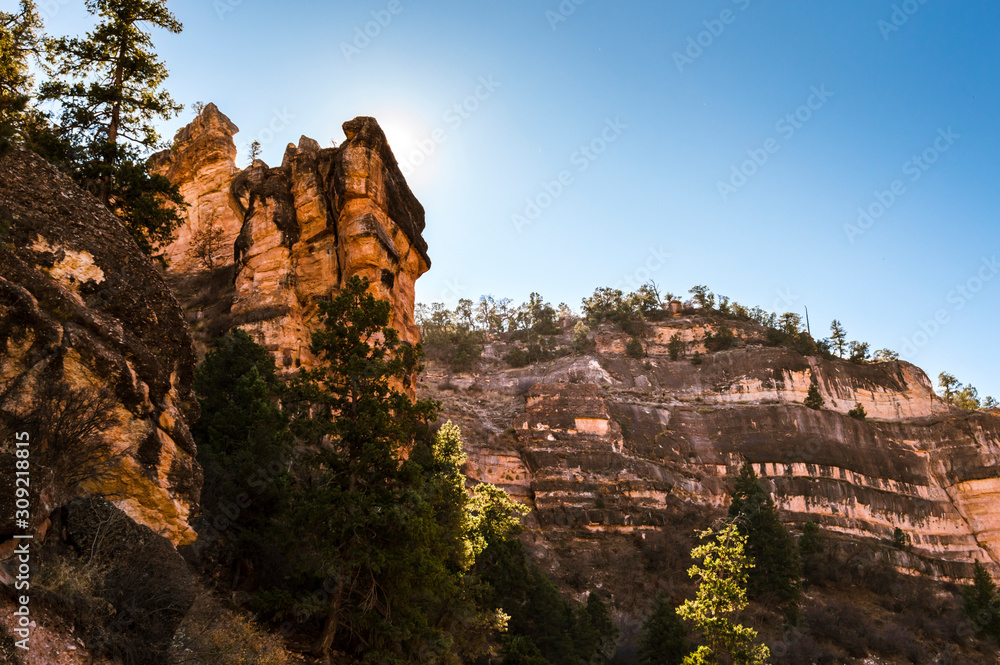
pixel 728 143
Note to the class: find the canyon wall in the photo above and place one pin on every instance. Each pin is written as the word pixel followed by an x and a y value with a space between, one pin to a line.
pixel 290 236
pixel 610 447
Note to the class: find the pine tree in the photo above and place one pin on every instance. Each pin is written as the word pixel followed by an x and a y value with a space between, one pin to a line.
pixel 813 399
pixel 20 40
pixel 722 594
pixel 664 638
pixel 380 516
pixel 109 87
pixel 981 602
pixel 838 337
pixel 778 569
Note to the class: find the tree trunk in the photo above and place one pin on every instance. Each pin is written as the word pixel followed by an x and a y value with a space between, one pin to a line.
pixel 113 126
pixel 329 634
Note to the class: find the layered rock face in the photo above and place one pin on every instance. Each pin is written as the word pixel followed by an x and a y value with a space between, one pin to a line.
pixel 96 361
pixel 611 445
pixel 305 228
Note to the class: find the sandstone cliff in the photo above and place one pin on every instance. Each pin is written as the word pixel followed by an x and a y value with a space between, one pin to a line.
pixel 96 359
pixel 607 448
pixel 291 235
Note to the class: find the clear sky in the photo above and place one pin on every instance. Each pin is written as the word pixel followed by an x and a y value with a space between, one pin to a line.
pixel 723 142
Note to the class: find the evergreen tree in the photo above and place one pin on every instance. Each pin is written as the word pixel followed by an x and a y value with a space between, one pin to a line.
pixel 981 602
pixel 858 412
pixel 777 569
pixel 380 516
pixel 838 337
pixel 722 594
pixel 596 634
pixel 20 41
pixel 109 87
pixel 664 638
pixel 813 399
pixel 244 444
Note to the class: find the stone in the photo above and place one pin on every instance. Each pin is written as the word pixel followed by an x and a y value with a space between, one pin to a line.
pixel 87 323
pixel 302 230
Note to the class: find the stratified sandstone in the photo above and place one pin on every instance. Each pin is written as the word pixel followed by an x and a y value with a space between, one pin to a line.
pixel 305 228
pixel 88 326
pixel 611 445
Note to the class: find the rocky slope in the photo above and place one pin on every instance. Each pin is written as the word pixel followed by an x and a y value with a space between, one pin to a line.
pixel 291 236
pixel 609 447
pixel 95 358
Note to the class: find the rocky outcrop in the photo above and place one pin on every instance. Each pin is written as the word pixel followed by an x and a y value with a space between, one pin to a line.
pixel 613 445
pixel 202 165
pixel 96 362
pixel 305 227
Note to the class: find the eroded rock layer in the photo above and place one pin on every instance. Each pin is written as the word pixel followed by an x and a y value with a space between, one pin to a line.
pixel 304 228
pixel 609 444
pixel 96 360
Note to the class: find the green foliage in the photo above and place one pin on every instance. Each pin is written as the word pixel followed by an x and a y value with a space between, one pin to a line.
pixel 664 639
pixel 20 41
pixel 244 443
pixel 540 316
pixel 109 88
pixel 696 359
pixel 811 541
pixel 379 516
pixel 900 539
pixel 859 352
pixel 981 603
pixel 778 569
pixel 722 339
pixel 543 627
pixel 813 399
pixel 858 412
pixel 704 298
pixel 610 305
pixel 449 336
pixel 962 396
pixel 885 356
pixel 675 347
pixel 838 338
pixel 722 581
pixel 634 348
pixel 582 343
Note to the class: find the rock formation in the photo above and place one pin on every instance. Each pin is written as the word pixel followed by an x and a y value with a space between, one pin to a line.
pixel 294 234
pixel 610 447
pixel 96 360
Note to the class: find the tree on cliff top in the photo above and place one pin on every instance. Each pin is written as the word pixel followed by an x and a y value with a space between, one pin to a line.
pixel 109 87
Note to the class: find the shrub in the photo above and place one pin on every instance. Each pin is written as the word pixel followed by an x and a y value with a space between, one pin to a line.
pixel 582 343
pixel 858 412
pixel 696 359
pixel 516 357
pixel 633 348
pixel 901 539
pixel 720 341
pixel 675 347
pixel 813 399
